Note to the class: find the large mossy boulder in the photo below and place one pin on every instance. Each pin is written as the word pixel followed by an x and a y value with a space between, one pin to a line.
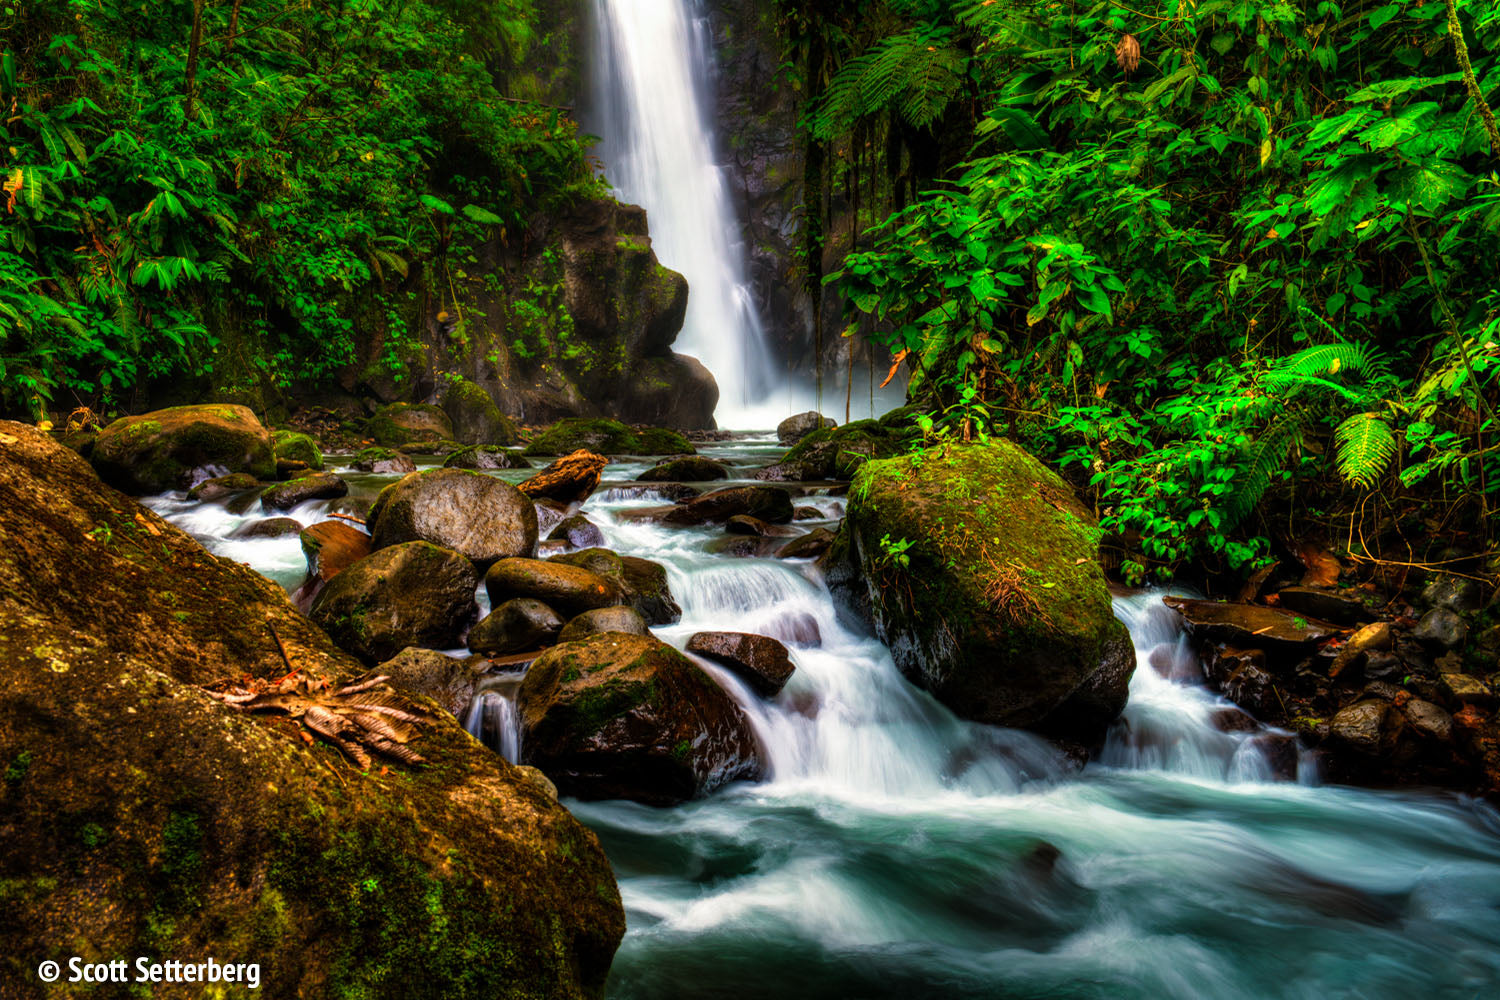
pixel 294 446
pixel 412 594
pixel 607 437
pixel 978 568
pixel 618 716
pixel 485 457
pixel 475 417
pixel 800 425
pixel 140 816
pixel 476 515
pixel 178 447
pixel 383 462
pixel 838 452
pixel 408 423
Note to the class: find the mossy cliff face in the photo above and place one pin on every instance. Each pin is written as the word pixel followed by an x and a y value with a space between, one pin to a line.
pixel 138 816
pixel 977 566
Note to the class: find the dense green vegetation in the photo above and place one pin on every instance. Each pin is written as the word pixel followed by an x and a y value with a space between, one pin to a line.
pixel 1221 260
pixel 222 191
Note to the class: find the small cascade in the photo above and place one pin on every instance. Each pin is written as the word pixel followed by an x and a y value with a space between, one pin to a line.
pixel 492 720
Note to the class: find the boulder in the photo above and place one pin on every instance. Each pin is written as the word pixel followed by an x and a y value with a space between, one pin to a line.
pixel 568 480
pixel 836 453
pixel 617 618
pixel 475 418
pixel 978 568
pixel 1441 629
pixel 796 427
pixel 1456 593
pixel 439 447
pixel 383 462
pixel 518 625
pixel 1248 624
pixel 485 457
pixel 268 527
pixel 744 524
pixel 673 492
pixel 688 469
pixel 411 594
pixel 221 487
pixel 1342 607
pixel 617 716
pixel 315 486
pixel 178 448
pixel 448 680
pixel 641 582
pixel 809 546
pixel 607 437
pixel 478 516
pixel 569 589
pixel 578 531
pixel 141 815
pixel 330 547
pixel 294 446
pixel 403 423
pixel 1362 728
pixel 769 503
pixel 762 661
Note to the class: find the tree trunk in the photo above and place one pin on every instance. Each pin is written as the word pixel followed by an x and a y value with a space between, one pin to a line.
pixel 194 43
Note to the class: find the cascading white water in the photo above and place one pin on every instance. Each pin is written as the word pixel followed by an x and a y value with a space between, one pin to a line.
pixel 651 81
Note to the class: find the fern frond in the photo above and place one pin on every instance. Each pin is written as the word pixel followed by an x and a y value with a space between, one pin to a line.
pixel 915 73
pixel 1364 447
pixel 1264 458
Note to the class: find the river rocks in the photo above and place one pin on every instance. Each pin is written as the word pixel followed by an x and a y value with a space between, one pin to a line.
pixel 317 486
pixel 293 446
pixel 383 462
pixel 795 428
pixel 478 516
pixel 744 524
pixel 475 418
pixel 485 457
pixel 642 583
pixel 578 531
pixel 268 527
pixel 179 447
pixel 1341 607
pixel 1456 593
pixel 1362 728
pixel 568 480
pixel 617 618
pixel 1248 623
pixel 136 805
pixel 516 626
pixel 409 594
pixel 447 680
pixel 836 453
pixel 607 437
pixel 688 469
pixel 769 503
pixel 404 423
pixel 571 590
pixel 617 716
pixel 1441 629
pixel 808 546
pixel 224 486
pixel 330 548
pixel 438 447
pixel 762 661
pixel 977 566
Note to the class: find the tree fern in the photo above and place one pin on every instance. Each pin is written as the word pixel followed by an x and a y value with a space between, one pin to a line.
pixel 1317 363
pixel 1365 446
pixel 1263 459
pixel 915 74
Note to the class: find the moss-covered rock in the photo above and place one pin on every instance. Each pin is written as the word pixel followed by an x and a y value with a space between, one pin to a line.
pixel 642 583
pixel 616 716
pixel 448 680
pixel 294 446
pixel 412 594
pixel 221 487
pixel 796 427
pixel 485 457
pixel 383 462
pixel 838 452
pixel 404 423
pixel 978 567
pixel 478 516
pixel 317 486
pixel 139 816
pixel 438 447
pixel 688 469
pixel 516 626
pixel 170 449
pixel 617 618
pixel 771 504
pixel 607 437
pixel 570 589
pixel 475 417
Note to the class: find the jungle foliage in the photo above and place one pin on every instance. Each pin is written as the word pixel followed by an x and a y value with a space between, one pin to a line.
pixel 1219 259
pixel 221 190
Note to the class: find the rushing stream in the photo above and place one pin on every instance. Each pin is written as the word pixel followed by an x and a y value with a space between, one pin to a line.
pixel 897 851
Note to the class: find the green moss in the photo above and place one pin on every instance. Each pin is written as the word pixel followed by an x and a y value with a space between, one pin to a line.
pixel 607 437
pixel 17 769
pixel 295 447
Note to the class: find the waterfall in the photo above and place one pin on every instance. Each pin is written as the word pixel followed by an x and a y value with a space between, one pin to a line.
pixel 652 83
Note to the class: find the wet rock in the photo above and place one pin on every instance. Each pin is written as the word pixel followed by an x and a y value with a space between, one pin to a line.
pixel 1428 720
pixel 448 680
pixel 1361 728
pixel 549 514
pixel 607 437
pixel 268 527
pixel 688 469
pixel 1342 607
pixel 1456 593
pixel 288 469
pixel 642 583
pixel 1035 646
pixel 294 446
pixel 769 503
pixel 673 492
pixel 762 661
pixel 1232 720
pixel 485 457
pixel 475 418
pixel 617 716
pixel 317 486
pixel 744 524
pixel 838 452
pixel 1253 688
pixel 404 423
pixel 443 447
pixel 1468 690
pixel 383 462
pixel 809 546
pixel 797 629
pixel 517 625
pixel 224 486
pixel 409 594
pixel 1381 666
pixel 569 589
pixel 578 531
pixel 175 448
pixel 330 548
pixel 795 428
pixel 570 479
pixel 478 516
pixel 806 514
pixel 1359 646
pixel 740 547
pixel 1441 629
pixel 1248 623
pixel 617 618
